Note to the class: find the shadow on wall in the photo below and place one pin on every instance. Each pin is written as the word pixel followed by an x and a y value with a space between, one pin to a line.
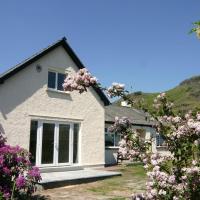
pixel 2 131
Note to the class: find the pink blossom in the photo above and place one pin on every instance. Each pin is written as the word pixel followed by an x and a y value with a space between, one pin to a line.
pixel 162 192
pixel 198 116
pixel 79 81
pixel 20 182
pixel 117 89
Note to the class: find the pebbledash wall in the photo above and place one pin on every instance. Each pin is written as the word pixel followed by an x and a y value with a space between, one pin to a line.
pixel 25 96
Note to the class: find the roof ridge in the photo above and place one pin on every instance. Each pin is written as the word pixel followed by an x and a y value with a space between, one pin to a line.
pixel 132 108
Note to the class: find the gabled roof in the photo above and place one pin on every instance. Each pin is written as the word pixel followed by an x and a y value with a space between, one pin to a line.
pixel 137 117
pixel 63 42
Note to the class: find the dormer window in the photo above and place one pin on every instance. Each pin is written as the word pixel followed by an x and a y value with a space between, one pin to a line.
pixel 55 80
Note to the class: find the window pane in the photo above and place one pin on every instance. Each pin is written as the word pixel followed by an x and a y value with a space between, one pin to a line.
pixel 142 133
pixel 75 143
pixel 52 80
pixel 160 140
pixel 157 140
pixel 61 78
pixel 117 139
pixel 48 143
pixel 63 156
pixel 33 141
pixel 109 139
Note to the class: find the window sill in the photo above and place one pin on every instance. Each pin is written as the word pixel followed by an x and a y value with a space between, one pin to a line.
pixel 111 147
pixel 57 91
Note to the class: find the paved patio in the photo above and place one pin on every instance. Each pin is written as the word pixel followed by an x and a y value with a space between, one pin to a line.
pixel 57 179
pixel 119 187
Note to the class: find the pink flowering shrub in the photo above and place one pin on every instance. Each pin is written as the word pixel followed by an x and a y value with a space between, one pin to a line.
pixel 173 177
pixel 116 90
pixel 17 175
pixel 131 146
pixel 83 79
pixel 79 81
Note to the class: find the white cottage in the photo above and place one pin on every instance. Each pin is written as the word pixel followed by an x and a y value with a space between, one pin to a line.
pixel 62 130
pixel 59 128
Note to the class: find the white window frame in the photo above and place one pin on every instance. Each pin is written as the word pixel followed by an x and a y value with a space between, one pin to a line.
pixel 56 81
pixel 114 146
pixel 56 140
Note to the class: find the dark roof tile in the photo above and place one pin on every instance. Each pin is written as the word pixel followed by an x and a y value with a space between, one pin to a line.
pixel 136 116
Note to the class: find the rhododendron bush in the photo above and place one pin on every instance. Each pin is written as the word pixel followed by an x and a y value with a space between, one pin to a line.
pixel 172 177
pixel 17 175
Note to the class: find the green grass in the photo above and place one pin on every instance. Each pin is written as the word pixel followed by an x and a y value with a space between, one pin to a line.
pixel 133 178
pixel 136 171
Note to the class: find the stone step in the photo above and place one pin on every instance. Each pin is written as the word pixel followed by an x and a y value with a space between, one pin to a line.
pixel 60 169
pixel 59 179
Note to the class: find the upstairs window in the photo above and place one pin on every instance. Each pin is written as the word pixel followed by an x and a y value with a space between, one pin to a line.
pixel 55 80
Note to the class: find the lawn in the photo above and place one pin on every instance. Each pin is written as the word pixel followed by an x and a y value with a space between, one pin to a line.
pixel 132 180
pixel 117 188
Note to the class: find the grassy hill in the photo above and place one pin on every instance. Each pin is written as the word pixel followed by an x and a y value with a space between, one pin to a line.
pixel 186 96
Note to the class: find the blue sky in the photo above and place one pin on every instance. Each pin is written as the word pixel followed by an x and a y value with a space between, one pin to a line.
pixel 144 44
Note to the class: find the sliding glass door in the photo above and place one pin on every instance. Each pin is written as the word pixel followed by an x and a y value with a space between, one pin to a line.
pixel 54 143
pixel 47 153
pixel 63 143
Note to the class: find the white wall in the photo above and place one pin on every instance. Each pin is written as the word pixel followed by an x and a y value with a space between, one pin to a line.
pixel 24 96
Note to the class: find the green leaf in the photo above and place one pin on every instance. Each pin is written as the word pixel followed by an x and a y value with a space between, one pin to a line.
pixel 197 23
pixel 193 30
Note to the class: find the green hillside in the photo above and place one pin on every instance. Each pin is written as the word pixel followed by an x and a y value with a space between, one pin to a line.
pixel 186 96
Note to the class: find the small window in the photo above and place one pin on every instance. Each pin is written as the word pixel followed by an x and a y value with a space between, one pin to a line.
pixel 112 139
pixel 109 139
pixel 117 139
pixel 52 80
pixel 61 78
pixel 55 80
pixel 160 141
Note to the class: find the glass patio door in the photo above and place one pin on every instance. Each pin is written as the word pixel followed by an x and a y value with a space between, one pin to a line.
pixel 48 135
pixel 54 143
pixel 63 143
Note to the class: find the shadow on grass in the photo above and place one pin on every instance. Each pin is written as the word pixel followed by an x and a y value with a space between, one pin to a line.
pixel 39 197
pixel 33 197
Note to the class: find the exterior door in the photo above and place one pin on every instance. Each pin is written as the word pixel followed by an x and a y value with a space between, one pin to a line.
pixel 47 150
pixel 56 143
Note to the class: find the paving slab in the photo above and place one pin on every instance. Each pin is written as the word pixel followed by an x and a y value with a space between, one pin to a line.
pixel 57 179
